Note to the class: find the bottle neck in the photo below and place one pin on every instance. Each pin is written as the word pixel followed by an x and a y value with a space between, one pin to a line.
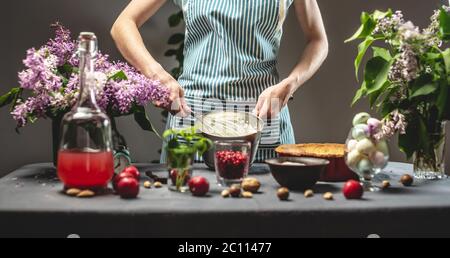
pixel 88 82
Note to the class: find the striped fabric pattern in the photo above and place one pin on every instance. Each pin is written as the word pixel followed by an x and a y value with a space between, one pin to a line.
pixel 231 50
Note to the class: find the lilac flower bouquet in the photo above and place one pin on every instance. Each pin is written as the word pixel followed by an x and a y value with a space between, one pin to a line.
pixel 49 85
pixel 407 79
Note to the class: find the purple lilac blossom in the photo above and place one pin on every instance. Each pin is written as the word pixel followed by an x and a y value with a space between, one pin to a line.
pixel 53 92
pixel 62 46
pixel 393 123
pixel 40 73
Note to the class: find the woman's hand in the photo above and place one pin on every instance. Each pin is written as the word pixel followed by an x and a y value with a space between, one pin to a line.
pixel 125 33
pixel 273 99
pixel 178 104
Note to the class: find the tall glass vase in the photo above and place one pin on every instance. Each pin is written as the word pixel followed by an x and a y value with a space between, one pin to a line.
pixel 180 170
pixel 430 163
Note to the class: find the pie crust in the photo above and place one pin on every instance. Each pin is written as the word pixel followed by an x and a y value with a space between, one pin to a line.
pixel 316 150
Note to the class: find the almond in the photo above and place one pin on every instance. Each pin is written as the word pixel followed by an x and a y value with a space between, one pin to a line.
pixel 148 184
pixel 247 195
pixel 309 193
pixel 73 192
pixel 328 196
pixel 225 193
pixel 157 185
pixel 86 194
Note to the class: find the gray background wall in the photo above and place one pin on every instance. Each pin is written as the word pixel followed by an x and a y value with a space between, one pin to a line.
pixel 320 111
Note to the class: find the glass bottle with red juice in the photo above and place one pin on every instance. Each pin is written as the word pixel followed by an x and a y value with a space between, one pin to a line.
pixel 85 158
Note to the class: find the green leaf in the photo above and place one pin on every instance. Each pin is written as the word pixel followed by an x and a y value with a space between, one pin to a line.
pixel 140 116
pixel 378 15
pixel 382 52
pixel 359 94
pixel 444 24
pixel 16 99
pixel 376 74
pixel 9 97
pixel 443 102
pixel 66 70
pixel 362 49
pixel 426 89
pixel 32 118
pixel 175 19
pixel 168 133
pixel 420 82
pixel 176 39
pixel 373 98
pixel 186 141
pixel 416 137
pixel 173 143
pixel 171 52
pixel 202 145
pixel 433 56
pixel 446 57
pixel 119 76
pixel 387 107
pixel 367 26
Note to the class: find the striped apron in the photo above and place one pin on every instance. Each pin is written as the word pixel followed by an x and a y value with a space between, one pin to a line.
pixel 231 50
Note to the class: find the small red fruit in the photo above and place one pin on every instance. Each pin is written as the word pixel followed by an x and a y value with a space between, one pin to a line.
pixel 119 177
pixel 132 170
pixel 199 186
pixel 173 177
pixel 353 190
pixel 128 188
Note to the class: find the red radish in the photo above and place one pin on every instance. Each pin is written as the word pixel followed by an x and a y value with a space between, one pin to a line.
pixel 199 186
pixel 174 174
pixel 128 188
pixel 353 190
pixel 133 171
pixel 119 177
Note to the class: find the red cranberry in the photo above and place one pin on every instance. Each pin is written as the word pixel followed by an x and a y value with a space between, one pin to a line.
pixel 132 170
pixel 128 188
pixel 353 190
pixel 199 186
pixel 173 176
pixel 232 164
pixel 119 177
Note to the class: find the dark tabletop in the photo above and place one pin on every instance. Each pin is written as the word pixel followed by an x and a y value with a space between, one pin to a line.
pixel 31 204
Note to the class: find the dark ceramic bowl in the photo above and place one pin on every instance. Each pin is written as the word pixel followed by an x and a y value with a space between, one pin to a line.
pixel 297 173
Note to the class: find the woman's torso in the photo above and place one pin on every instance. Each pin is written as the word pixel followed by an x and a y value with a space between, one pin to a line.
pixel 231 47
pixel 230 58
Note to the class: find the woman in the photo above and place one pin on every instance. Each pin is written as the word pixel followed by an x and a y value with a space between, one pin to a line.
pixel 231 47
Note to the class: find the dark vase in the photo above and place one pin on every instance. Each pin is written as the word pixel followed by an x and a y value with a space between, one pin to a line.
pixel 56 137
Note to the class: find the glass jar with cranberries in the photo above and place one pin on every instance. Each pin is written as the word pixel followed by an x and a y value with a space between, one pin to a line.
pixel 232 161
